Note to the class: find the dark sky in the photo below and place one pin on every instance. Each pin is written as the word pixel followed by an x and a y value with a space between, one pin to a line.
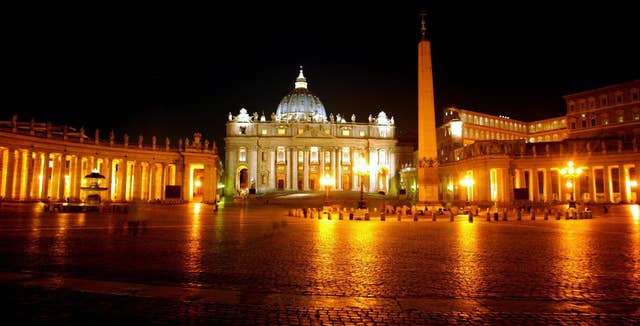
pixel 174 70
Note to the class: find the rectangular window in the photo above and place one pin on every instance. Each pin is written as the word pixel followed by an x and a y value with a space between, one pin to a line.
pixel 264 131
pixel 242 154
pixel 345 132
pixel 313 151
pixel 300 131
pixel 361 133
pixel 327 157
pixel 281 131
pixel 300 157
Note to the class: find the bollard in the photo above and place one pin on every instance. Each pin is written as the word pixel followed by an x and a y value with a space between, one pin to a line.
pixel 383 217
pixel 470 217
pixel 366 216
pixel 488 216
pixel 520 215
pixel 434 217
pixel 351 216
pixel 415 217
pixel 399 217
pixel 558 215
pixel 546 214
pixel 495 216
pixel 451 217
pixel 566 215
pixel 504 216
pixel 533 215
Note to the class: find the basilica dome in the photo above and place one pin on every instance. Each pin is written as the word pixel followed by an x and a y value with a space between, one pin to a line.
pixel 300 104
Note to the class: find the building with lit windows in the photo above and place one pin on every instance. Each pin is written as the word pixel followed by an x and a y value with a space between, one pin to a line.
pixel 39 161
pixel 299 144
pixel 495 159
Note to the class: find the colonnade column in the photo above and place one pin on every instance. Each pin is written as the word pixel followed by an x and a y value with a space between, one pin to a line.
pixel 31 172
pixel 121 184
pixel 46 175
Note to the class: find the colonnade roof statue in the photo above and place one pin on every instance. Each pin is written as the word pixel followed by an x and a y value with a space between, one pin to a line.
pixel 300 104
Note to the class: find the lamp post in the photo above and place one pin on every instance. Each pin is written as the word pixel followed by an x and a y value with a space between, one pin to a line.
pixel 327 181
pixel 571 173
pixel 361 169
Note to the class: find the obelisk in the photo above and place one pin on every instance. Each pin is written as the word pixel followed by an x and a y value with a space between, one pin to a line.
pixel 427 146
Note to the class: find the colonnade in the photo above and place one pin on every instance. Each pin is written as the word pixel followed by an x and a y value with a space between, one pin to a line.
pixel 47 168
pixel 610 181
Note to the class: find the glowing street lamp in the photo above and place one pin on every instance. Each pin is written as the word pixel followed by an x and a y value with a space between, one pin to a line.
pixel 571 173
pixel 327 181
pixel 467 182
pixel 361 169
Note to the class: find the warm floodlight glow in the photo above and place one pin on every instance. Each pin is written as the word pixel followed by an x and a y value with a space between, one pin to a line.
pixel 198 183
pixel 456 128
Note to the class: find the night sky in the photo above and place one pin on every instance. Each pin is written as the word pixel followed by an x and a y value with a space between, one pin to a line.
pixel 174 70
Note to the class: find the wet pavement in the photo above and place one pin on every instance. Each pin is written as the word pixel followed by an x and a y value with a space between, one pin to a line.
pixel 254 264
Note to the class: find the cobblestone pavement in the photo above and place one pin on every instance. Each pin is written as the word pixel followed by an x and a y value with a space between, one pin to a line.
pixel 254 264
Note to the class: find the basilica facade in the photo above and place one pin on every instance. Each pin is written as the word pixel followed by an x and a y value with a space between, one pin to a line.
pixel 299 147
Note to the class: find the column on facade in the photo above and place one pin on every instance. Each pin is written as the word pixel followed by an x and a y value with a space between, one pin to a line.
pixel 294 172
pixel 624 172
pixel 253 166
pixel 306 169
pixel 272 167
pixel 333 168
pixel 592 183
pixel 321 159
pixel 373 170
pixel 288 168
pixel 355 185
pixel 391 157
pixel 338 152
pixel 534 185
pixel 607 184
